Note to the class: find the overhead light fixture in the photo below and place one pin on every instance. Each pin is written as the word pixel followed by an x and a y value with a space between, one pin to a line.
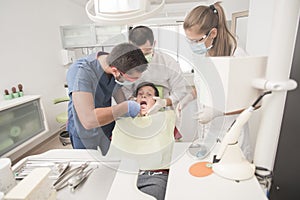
pixel 121 12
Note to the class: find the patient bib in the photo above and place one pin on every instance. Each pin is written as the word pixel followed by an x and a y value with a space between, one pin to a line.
pixel 148 139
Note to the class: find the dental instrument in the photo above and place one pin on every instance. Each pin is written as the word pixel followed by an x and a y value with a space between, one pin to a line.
pixel 62 181
pixel 230 162
pixel 76 180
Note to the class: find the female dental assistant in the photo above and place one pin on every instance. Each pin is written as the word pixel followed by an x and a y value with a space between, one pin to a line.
pixel 208 35
pixel 91 83
pixel 206 30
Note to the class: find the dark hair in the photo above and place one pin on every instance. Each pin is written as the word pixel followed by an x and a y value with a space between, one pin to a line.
pixel 140 34
pixel 126 56
pixel 207 17
pixel 142 84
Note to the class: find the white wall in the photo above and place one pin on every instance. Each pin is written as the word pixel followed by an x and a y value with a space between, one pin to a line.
pixel 232 6
pixel 259 27
pixel 30 48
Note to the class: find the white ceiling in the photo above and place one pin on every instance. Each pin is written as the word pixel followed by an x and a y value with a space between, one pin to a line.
pixel 83 2
pixel 175 1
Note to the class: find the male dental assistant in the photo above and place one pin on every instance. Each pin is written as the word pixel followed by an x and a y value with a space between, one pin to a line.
pixel 92 82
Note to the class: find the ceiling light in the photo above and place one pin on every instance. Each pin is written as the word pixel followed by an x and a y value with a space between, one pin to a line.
pixel 121 12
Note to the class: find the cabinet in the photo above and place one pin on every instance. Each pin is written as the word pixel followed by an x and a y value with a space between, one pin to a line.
pixel 22 120
pixel 91 35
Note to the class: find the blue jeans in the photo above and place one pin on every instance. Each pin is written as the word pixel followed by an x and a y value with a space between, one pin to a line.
pixel 93 142
pixel 154 185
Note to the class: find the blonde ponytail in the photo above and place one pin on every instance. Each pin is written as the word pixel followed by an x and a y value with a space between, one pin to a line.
pixel 205 18
pixel 224 43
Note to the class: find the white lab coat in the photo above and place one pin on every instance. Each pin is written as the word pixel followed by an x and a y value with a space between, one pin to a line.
pixel 220 125
pixel 163 70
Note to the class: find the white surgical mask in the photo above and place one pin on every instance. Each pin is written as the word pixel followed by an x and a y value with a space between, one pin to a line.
pixel 123 81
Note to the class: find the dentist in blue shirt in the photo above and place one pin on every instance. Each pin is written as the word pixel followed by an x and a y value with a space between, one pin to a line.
pixel 92 82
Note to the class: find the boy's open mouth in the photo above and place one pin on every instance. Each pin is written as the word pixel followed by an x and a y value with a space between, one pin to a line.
pixel 143 104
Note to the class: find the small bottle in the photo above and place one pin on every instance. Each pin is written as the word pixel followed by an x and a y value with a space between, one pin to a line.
pixel 20 86
pixel 15 94
pixel 6 95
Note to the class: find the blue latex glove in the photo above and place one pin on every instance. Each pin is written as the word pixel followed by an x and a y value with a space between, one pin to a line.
pixel 133 109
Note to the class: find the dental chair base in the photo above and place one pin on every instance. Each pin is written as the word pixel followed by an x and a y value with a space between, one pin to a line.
pixel 234 165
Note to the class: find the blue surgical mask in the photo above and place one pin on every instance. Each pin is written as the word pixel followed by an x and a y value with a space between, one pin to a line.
pixel 199 48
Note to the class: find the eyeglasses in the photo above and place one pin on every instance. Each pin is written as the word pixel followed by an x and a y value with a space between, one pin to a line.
pixel 198 40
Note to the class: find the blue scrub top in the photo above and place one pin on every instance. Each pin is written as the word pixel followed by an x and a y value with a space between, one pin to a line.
pixel 87 75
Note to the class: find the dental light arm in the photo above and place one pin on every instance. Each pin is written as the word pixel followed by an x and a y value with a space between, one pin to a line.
pixel 233 134
pixel 234 131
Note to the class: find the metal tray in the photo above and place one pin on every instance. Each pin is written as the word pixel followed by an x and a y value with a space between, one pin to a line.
pixel 57 168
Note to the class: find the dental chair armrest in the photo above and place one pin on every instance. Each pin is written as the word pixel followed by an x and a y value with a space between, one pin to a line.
pixel 61 99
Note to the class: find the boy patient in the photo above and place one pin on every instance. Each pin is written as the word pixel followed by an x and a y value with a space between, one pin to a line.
pixel 150 182
pixel 144 94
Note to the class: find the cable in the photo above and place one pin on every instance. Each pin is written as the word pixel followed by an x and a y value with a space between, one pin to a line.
pixel 260 97
pixel 264 177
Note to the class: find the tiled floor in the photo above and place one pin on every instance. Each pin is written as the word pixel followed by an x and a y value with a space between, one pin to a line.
pixel 52 143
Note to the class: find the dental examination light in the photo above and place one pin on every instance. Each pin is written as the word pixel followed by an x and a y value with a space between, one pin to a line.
pixel 121 12
pixel 230 162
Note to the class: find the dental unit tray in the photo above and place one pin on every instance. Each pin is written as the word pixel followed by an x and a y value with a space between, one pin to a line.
pixel 57 168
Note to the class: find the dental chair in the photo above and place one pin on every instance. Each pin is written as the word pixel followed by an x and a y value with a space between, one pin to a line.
pixel 141 143
pixel 177 134
pixel 160 89
pixel 62 118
